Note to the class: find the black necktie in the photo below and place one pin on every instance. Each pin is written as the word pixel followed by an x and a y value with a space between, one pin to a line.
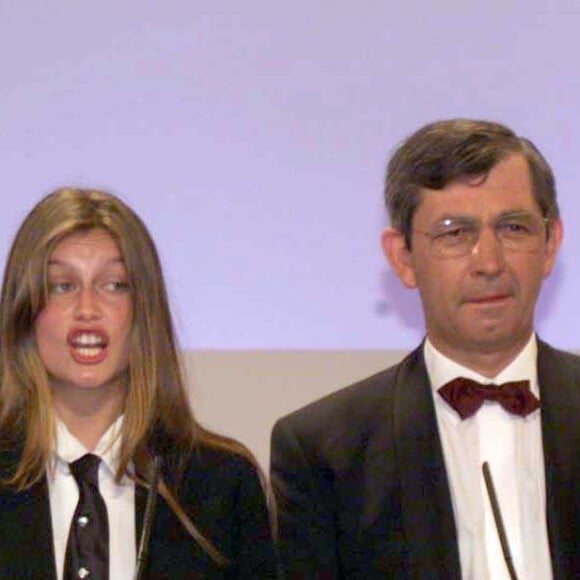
pixel 87 551
pixel 467 396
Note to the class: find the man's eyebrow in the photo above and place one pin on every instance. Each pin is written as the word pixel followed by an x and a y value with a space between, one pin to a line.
pixel 469 218
pixel 514 212
pixel 455 218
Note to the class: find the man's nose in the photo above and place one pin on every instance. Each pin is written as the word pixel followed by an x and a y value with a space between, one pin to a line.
pixel 488 252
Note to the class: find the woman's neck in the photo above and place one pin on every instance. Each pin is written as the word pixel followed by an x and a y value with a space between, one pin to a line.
pixel 88 413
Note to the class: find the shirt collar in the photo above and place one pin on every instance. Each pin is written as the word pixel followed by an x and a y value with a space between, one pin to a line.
pixel 69 448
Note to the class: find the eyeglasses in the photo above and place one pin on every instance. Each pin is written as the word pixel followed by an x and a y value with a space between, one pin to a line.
pixel 456 237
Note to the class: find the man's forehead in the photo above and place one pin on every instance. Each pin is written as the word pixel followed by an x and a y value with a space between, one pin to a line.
pixel 507 186
pixel 514 164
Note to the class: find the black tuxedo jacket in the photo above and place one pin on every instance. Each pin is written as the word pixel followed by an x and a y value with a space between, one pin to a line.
pixel 220 491
pixel 361 487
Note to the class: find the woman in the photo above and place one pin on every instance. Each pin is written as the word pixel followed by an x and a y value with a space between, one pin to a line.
pixel 89 371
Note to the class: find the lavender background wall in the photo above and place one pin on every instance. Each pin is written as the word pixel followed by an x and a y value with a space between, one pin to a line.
pixel 252 138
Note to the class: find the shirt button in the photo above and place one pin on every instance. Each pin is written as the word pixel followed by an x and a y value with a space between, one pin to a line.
pixel 83 521
pixel 83 572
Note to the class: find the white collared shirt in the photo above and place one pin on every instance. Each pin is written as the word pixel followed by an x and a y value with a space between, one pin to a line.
pixel 512 446
pixel 119 499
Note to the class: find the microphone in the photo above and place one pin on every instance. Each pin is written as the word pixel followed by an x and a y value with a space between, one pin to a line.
pixel 150 506
pixel 505 548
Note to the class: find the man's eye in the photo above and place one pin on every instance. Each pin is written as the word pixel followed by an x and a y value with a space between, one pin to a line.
pixel 453 233
pixel 513 228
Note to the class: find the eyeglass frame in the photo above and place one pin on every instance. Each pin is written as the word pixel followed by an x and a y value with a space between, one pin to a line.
pixel 458 250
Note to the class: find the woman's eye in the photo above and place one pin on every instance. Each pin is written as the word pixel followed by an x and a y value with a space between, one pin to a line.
pixel 117 286
pixel 60 287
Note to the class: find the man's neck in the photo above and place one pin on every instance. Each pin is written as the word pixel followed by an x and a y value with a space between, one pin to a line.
pixel 486 363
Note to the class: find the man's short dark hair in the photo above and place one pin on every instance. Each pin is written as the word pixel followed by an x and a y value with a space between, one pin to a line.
pixel 446 151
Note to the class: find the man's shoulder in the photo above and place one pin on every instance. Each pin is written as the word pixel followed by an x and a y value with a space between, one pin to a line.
pixel 557 360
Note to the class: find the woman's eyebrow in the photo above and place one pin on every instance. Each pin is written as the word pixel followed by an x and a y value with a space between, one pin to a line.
pixel 57 262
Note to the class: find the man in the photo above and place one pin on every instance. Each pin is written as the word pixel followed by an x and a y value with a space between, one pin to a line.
pixel 384 479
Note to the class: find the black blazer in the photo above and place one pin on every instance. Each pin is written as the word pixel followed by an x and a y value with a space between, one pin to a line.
pixel 361 487
pixel 220 491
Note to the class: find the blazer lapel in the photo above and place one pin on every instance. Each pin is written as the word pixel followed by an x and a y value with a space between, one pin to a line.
pixel 426 502
pixel 559 379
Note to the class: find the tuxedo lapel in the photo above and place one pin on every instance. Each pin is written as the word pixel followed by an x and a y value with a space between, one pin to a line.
pixel 426 502
pixel 559 379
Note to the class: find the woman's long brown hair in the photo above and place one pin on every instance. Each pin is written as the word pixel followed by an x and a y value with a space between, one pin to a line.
pixel 156 399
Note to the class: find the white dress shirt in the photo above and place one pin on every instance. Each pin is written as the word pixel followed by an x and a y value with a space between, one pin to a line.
pixel 119 499
pixel 512 446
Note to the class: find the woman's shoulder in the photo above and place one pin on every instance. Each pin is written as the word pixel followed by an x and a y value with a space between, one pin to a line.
pixel 221 464
pixel 213 464
pixel 220 484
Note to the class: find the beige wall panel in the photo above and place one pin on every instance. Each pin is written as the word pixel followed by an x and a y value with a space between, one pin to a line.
pixel 242 393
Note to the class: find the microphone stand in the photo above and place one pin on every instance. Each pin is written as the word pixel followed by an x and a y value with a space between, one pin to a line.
pixel 150 506
pixel 505 548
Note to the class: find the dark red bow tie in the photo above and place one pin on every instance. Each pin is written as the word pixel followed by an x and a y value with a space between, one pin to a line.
pixel 467 396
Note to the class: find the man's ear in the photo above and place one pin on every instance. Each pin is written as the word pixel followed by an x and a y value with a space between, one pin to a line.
pixel 399 256
pixel 552 245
